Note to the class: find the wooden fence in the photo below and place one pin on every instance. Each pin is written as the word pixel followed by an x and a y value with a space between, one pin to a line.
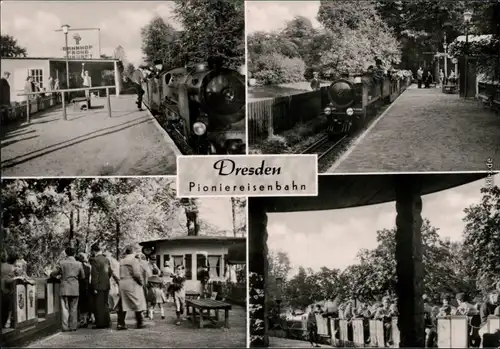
pixel 36 311
pixel 18 111
pixel 270 116
pixel 452 332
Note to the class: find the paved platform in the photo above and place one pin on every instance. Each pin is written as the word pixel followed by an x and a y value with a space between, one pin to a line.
pixel 275 342
pixel 426 130
pixel 89 143
pixel 158 334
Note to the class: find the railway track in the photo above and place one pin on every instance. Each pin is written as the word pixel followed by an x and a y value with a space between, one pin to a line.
pixel 323 146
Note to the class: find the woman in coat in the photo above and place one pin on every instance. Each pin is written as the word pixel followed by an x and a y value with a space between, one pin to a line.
pixel 132 296
pixel 83 285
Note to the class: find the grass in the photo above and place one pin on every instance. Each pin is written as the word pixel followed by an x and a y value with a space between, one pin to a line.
pixel 292 140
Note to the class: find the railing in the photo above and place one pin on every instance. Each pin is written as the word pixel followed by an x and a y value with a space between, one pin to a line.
pixel 452 332
pixel 18 110
pixel 63 99
pixel 35 311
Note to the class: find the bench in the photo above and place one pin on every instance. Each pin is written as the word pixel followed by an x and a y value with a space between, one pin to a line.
pixel 199 306
pixel 450 89
pixel 83 102
pixel 192 295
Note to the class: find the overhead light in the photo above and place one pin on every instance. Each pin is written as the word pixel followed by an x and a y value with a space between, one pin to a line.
pixel 65 28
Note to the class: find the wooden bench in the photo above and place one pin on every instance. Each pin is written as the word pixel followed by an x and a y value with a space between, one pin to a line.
pixel 199 306
pixel 450 89
pixel 192 295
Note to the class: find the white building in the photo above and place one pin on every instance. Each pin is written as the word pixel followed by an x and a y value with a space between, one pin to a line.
pixel 195 251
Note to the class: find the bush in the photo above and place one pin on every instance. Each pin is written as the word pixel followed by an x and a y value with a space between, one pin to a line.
pixel 277 69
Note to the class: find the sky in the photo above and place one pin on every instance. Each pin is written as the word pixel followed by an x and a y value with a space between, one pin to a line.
pixel 217 211
pixel 269 16
pixel 333 238
pixel 33 23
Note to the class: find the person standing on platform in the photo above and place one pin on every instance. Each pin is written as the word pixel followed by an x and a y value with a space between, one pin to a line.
pixel 132 296
pixel 4 94
pixel 87 82
pixel 70 272
pixel 138 78
pixel 83 300
pixel 315 83
pixel 420 77
pixel 100 275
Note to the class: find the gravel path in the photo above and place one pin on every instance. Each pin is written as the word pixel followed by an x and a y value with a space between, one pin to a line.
pixel 427 130
pixel 158 334
pixel 88 143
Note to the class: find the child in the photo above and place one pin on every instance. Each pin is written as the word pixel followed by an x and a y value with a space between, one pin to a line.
pixel 178 280
pixel 156 297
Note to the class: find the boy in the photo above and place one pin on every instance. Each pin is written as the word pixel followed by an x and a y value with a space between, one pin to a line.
pixel 178 281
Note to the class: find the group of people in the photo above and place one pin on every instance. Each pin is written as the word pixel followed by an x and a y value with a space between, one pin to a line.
pixel 428 79
pixel 91 287
pixel 386 310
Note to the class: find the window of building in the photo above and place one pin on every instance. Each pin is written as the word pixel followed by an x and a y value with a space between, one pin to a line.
pixel 214 266
pixel 166 260
pixel 178 260
pixel 37 75
pixel 188 264
pixel 201 260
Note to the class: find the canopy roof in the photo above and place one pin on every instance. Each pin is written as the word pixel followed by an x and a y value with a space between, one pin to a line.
pixel 344 191
pixel 237 254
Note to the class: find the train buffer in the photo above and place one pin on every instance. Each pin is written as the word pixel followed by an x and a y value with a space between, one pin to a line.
pixel 426 130
pixel 88 143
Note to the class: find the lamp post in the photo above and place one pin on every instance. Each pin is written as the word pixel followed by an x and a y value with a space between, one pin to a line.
pixel 445 47
pixel 65 29
pixel 467 19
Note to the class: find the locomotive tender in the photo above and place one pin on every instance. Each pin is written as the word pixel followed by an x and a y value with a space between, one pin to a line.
pixel 203 104
pixel 352 99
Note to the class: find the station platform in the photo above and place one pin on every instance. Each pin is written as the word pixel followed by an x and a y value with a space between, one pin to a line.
pixel 426 130
pixel 275 342
pixel 89 143
pixel 157 334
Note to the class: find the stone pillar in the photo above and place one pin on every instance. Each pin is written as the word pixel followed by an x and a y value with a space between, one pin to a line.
pixel 409 267
pixel 118 79
pixel 257 248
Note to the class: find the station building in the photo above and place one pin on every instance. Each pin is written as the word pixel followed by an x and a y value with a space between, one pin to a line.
pixel 103 71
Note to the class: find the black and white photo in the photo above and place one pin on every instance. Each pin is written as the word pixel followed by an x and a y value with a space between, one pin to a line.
pixel 375 86
pixel 85 259
pixel 378 261
pixel 120 88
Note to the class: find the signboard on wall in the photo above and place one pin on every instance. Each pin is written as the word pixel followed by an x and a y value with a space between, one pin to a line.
pixel 82 44
pixel 21 303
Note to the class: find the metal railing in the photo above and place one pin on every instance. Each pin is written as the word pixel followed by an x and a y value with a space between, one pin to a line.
pixel 63 92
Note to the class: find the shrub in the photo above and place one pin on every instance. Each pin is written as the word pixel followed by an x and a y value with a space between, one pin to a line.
pixel 277 69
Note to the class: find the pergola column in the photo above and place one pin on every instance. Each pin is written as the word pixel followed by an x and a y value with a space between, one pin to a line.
pixel 409 267
pixel 258 268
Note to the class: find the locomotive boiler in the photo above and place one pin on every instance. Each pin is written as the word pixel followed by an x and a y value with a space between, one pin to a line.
pixel 203 104
pixel 352 99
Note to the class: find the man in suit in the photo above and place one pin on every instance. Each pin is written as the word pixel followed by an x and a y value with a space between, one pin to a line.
pixel 8 273
pixel 137 78
pixel 69 271
pixel 99 278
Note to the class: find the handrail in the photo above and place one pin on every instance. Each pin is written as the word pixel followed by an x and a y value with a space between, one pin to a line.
pixel 67 90
pixel 63 91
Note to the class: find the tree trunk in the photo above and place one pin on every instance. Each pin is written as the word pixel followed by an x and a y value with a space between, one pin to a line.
pixel 88 224
pixel 71 217
pixel 233 209
pixel 117 236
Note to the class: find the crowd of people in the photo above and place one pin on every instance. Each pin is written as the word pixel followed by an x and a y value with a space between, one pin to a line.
pixel 477 312
pixel 428 79
pixel 91 287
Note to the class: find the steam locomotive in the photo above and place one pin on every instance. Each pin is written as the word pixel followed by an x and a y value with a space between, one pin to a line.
pixel 203 104
pixel 353 99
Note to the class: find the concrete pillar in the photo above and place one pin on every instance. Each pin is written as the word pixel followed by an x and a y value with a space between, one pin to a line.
pixel 118 79
pixel 258 268
pixel 409 267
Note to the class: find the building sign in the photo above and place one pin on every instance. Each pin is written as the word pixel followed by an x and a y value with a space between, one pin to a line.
pixel 80 48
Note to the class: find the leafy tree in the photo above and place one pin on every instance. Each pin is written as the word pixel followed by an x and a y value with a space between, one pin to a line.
pixel 10 48
pixel 213 28
pixel 160 41
pixel 482 238
pixel 279 267
pixel 278 69
pixel 238 206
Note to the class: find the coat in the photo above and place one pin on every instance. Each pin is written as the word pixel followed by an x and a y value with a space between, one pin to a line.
pixel 131 291
pixel 71 272
pixel 83 302
pixel 4 92
pixel 100 274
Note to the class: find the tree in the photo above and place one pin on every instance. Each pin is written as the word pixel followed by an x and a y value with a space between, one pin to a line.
pixel 129 70
pixel 237 205
pixel 160 41
pixel 354 36
pixel 213 28
pixel 482 238
pixel 10 48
